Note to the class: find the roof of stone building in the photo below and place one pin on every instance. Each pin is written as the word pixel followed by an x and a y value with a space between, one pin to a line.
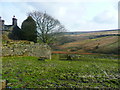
pixel 8 27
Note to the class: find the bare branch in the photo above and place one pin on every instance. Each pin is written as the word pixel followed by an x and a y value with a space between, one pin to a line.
pixel 48 27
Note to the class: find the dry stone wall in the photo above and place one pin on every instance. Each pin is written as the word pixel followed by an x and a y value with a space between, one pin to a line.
pixel 38 50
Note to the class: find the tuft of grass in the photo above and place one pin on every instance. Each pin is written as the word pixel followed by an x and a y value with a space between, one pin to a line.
pixel 89 71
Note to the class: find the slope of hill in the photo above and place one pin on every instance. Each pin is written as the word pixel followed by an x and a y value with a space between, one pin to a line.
pixel 95 42
pixel 99 32
pixel 85 42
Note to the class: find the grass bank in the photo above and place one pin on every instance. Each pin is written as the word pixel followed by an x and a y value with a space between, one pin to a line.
pixel 89 71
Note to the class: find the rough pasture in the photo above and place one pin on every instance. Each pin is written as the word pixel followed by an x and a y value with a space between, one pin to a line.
pixel 90 71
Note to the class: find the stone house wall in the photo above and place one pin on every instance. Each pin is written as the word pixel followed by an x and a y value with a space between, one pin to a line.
pixel 38 50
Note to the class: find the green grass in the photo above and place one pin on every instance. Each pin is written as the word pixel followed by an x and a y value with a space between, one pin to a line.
pixel 89 71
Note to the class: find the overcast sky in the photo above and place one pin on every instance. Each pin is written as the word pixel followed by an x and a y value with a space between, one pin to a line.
pixel 75 15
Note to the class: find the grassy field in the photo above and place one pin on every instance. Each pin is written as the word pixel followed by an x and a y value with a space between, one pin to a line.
pixel 90 71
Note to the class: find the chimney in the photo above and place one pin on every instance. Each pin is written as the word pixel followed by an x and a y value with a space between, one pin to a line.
pixel 14 21
pixel 1 24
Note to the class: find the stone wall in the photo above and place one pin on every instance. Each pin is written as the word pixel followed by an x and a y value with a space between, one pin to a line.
pixel 38 50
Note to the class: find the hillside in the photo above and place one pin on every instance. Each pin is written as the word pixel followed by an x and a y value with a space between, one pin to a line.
pixel 94 42
pixel 92 32
pixel 84 42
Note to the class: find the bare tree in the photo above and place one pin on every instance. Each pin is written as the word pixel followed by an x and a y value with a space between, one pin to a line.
pixel 48 28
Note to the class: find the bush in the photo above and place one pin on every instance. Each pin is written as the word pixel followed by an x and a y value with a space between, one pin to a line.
pixel 69 57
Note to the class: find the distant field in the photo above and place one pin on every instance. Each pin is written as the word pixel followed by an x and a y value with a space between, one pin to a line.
pixel 106 42
pixel 92 33
pixel 89 71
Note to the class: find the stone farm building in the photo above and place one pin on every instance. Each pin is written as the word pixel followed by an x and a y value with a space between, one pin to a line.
pixel 8 27
pixel 35 49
